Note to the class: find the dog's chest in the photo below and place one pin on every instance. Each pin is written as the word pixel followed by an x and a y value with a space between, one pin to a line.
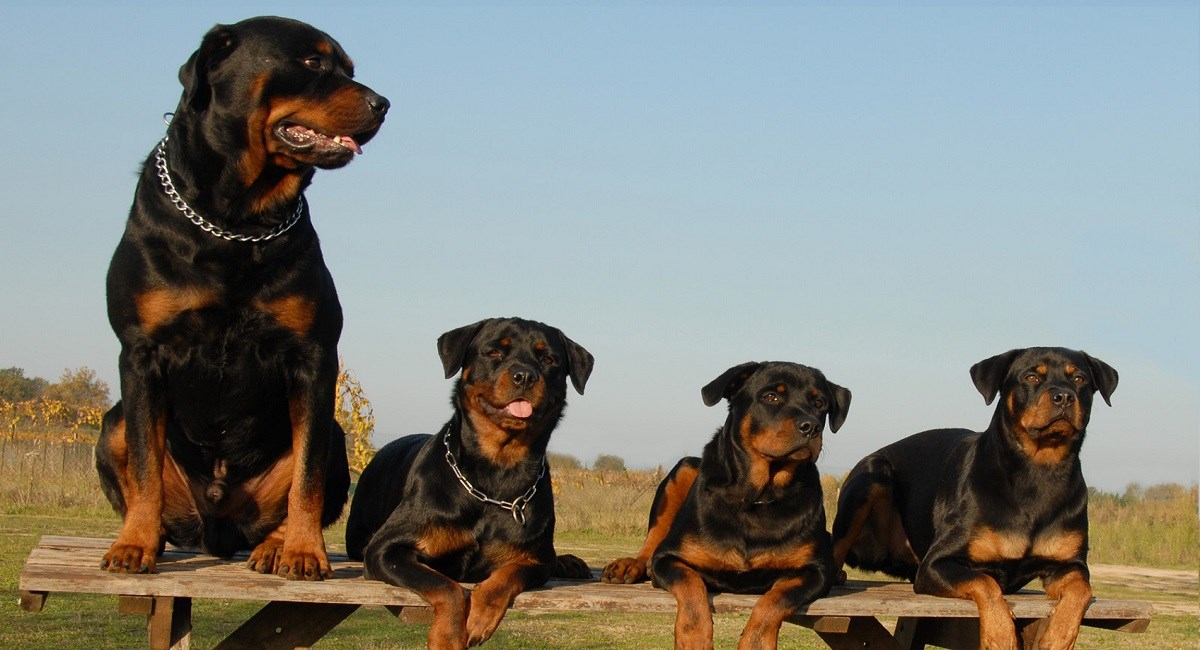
pixel 989 545
pixel 213 324
pixel 222 332
pixel 226 359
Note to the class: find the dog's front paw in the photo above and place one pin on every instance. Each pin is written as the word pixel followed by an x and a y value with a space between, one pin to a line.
pixel 264 557
pixel 1058 635
pixel 488 604
pixel 571 567
pixel 130 557
pixel 304 565
pixel 625 570
pixel 998 636
pixel 449 628
pixel 483 620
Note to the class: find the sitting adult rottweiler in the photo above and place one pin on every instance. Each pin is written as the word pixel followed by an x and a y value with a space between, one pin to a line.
pixel 978 515
pixel 748 516
pixel 473 503
pixel 224 438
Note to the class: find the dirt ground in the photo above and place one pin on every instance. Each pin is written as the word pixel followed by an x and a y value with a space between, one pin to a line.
pixel 1178 589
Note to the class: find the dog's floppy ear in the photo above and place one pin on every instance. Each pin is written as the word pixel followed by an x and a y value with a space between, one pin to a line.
pixel 216 46
pixel 840 406
pixel 728 383
pixel 452 347
pixel 1104 376
pixel 989 374
pixel 581 363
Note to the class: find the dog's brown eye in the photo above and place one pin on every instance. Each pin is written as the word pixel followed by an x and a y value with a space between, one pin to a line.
pixel 1079 379
pixel 314 63
pixel 819 403
pixel 495 354
pixel 771 398
pixel 548 360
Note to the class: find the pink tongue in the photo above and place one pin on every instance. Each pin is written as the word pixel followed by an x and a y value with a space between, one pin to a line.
pixel 349 143
pixel 520 409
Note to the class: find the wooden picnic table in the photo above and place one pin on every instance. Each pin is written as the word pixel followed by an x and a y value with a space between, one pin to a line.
pixel 298 614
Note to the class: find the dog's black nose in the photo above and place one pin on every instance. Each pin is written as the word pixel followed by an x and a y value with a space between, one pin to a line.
pixel 807 428
pixel 378 103
pixel 1063 398
pixel 523 377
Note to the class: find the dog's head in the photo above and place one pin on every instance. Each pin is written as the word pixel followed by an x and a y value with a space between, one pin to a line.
pixel 271 91
pixel 1046 396
pixel 513 385
pixel 777 415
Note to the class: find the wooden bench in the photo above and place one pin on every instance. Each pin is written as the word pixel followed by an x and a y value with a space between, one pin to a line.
pixel 300 613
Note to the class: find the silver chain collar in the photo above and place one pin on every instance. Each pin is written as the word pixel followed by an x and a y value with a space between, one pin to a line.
pixel 160 161
pixel 516 506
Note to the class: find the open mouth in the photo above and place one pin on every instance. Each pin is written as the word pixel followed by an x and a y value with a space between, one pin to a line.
pixel 519 408
pixel 302 138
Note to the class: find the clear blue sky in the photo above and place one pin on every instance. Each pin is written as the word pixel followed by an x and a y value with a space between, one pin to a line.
pixel 887 193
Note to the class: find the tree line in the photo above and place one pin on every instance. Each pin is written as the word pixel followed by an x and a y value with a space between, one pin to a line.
pixel 69 408
pixel 78 387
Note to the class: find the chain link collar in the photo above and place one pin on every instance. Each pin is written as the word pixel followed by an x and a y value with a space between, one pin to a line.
pixel 164 177
pixel 516 506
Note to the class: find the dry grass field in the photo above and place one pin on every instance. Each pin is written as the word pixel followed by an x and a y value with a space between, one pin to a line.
pixel 1144 546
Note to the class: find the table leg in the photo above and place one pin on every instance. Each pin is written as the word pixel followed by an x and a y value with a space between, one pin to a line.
pixel 857 632
pixel 412 613
pixel 32 601
pixel 915 632
pixel 168 619
pixel 287 625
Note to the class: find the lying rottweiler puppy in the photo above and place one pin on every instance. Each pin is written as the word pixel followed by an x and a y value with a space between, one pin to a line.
pixel 748 516
pixel 978 515
pixel 474 503
pixel 224 437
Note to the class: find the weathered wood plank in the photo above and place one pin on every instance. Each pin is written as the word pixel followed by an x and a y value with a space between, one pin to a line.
pixel 68 564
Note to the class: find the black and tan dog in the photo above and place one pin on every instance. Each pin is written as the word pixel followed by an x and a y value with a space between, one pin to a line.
pixel 473 503
pixel 224 438
pixel 748 516
pixel 978 515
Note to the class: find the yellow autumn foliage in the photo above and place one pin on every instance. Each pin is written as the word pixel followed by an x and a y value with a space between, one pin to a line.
pixel 50 419
pixel 353 411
